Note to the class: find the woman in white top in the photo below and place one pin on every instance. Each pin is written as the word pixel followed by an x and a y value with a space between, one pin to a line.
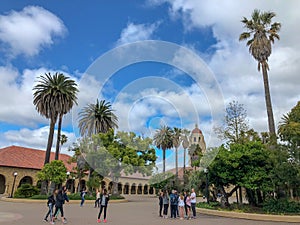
pixel 181 206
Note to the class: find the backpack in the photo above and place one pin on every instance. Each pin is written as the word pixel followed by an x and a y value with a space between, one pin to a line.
pixel 173 200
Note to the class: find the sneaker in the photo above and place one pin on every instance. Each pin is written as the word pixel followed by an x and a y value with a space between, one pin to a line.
pixel 65 222
pixel 52 222
pixel 104 221
pixel 45 220
pixel 98 221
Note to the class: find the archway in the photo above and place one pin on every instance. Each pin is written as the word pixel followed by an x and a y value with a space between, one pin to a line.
pixel 120 188
pixel 25 180
pixel 145 189
pixel 70 185
pixel 133 189
pixel 2 184
pixel 110 187
pixel 151 191
pixel 103 185
pixel 126 189
pixel 140 189
pixel 81 185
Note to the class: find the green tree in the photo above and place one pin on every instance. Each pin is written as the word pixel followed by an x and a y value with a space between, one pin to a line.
pixel 242 165
pixel 261 33
pixel 176 139
pixel 163 140
pixel 195 153
pixel 55 171
pixel 110 154
pixel 97 118
pixel 289 131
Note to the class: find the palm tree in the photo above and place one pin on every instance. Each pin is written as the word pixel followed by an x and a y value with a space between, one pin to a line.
pixel 68 97
pixel 163 140
pixel 63 140
pixel 185 144
pixel 176 143
pixel 49 100
pixel 262 33
pixel 97 118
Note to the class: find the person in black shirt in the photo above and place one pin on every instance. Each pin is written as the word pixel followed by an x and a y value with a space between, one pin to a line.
pixel 161 204
pixel 104 198
pixel 50 204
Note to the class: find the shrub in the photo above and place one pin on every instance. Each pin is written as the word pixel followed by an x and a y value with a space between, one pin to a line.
pixel 26 191
pixel 39 197
pixel 281 206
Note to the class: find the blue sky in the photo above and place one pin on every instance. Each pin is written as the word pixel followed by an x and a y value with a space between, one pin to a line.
pixel 73 38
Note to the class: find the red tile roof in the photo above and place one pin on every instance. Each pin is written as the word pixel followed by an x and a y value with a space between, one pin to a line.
pixel 21 157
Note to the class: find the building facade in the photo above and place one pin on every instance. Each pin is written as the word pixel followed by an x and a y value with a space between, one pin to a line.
pixel 19 165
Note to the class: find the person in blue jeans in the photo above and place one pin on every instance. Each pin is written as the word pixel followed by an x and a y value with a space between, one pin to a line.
pixel 82 195
pixel 50 204
pixel 174 204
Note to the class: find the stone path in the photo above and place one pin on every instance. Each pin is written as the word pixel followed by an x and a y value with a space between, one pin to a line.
pixel 138 211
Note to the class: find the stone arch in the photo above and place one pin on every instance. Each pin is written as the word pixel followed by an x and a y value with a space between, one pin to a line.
pixel 133 189
pixel 120 188
pixel 70 185
pixel 103 184
pixel 25 180
pixel 146 189
pixel 126 189
pixel 151 191
pixel 140 189
pixel 81 185
pixel 110 187
pixel 2 184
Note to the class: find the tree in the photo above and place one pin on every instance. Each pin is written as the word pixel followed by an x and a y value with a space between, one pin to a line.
pixel 97 118
pixel 55 171
pixel 262 33
pixel 195 153
pixel 111 154
pixel 163 140
pixel 235 124
pixel 242 165
pixel 185 144
pixel 289 131
pixel 176 134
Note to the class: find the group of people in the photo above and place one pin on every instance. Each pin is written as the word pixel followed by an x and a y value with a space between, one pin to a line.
pixel 57 199
pixel 182 205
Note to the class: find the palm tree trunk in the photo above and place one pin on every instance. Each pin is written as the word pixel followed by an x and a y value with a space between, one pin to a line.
pixel 164 161
pixel 184 159
pixel 50 141
pixel 176 162
pixel 58 137
pixel 268 102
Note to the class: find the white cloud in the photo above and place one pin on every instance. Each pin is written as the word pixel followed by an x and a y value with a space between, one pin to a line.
pixel 137 32
pixel 36 138
pixel 29 31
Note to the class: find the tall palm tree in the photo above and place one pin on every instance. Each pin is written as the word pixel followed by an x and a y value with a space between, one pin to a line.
pixel 176 134
pixel 49 100
pixel 163 140
pixel 68 97
pixel 97 118
pixel 185 144
pixel 261 34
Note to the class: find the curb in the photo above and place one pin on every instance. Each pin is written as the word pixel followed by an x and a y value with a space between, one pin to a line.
pixel 251 216
pixel 20 200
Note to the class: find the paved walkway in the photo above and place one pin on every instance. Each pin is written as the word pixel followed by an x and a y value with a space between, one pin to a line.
pixel 138 211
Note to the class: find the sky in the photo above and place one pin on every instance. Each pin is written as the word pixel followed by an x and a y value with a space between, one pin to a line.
pixel 171 62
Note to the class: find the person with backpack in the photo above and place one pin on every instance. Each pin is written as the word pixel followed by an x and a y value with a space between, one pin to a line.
pixel 50 204
pixel 104 198
pixel 174 204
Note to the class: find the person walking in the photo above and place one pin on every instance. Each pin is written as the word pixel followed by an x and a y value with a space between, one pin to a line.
pixel 165 203
pixel 59 205
pixel 104 198
pixel 160 203
pixel 65 199
pixel 193 203
pixel 185 206
pixel 50 204
pixel 97 204
pixel 82 195
pixel 181 206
